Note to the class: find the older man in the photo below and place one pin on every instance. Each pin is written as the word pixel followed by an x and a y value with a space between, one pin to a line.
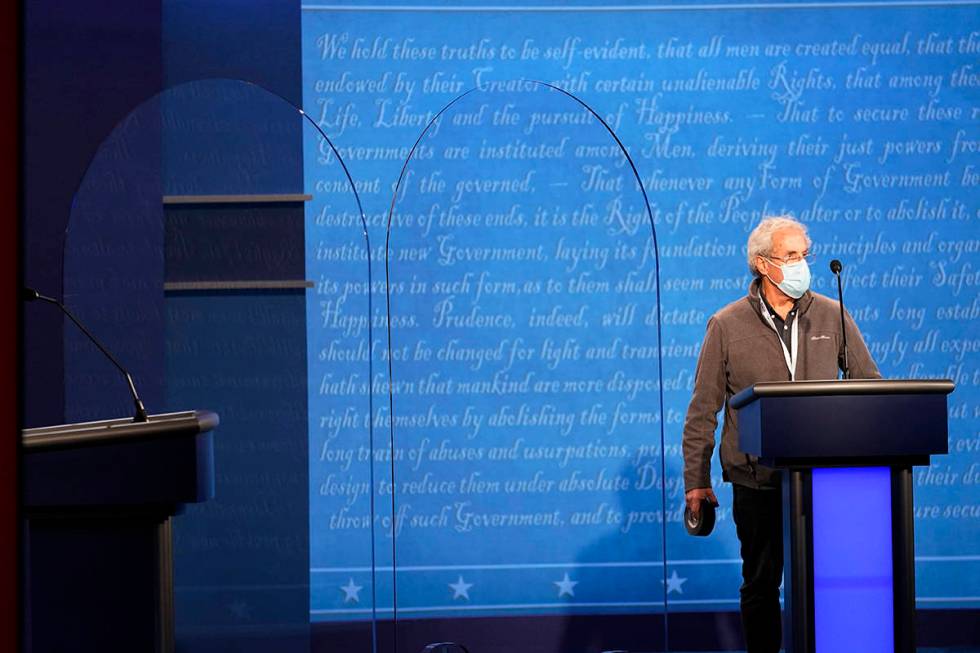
pixel 780 331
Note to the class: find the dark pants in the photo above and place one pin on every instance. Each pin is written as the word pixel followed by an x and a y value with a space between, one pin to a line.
pixel 759 523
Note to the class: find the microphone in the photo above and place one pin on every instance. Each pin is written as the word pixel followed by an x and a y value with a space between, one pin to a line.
pixel 836 267
pixel 30 295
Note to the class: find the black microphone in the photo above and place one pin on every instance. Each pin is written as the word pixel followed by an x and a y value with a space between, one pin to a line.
pixel 836 267
pixel 30 295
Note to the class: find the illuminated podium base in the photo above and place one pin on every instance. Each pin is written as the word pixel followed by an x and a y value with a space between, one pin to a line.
pixel 98 502
pixel 846 449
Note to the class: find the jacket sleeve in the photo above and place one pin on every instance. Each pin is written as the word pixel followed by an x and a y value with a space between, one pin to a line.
pixel 702 413
pixel 858 357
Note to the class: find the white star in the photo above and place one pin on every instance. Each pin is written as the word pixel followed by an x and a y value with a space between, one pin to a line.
pixel 674 583
pixel 351 591
pixel 461 589
pixel 566 586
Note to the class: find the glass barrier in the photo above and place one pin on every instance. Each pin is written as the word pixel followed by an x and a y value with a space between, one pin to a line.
pixel 186 253
pixel 526 403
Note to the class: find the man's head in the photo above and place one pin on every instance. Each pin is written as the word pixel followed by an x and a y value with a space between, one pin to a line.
pixel 774 242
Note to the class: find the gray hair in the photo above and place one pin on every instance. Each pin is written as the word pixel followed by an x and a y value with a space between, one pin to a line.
pixel 760 240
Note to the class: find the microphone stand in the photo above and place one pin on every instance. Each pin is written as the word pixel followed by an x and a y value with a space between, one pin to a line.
pixel 836 267
pixel 31 295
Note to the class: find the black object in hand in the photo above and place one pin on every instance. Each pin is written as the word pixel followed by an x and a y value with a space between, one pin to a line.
pixel 701 523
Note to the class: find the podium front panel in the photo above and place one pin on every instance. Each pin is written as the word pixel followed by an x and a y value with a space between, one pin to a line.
pixel 853 600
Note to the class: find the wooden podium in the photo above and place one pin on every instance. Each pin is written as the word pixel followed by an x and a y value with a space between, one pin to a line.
pixel 98 499
pixel 847 449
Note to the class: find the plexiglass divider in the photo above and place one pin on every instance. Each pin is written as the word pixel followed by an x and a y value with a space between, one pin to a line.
pixel 526 408
pixel 186 253
pixel 112 265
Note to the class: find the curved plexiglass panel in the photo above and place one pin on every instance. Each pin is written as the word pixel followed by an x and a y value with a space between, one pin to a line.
pixel 526 401
pixel 186 252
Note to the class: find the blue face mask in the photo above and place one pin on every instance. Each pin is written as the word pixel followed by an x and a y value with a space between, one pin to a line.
pixel 796 279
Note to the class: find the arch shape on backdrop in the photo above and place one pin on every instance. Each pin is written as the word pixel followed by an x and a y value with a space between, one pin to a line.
pixel 186 251
pixel 525 416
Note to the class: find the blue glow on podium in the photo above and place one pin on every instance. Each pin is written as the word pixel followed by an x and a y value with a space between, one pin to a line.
pixel 853 602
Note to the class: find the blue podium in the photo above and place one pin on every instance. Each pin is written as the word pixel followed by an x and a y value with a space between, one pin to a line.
pixel 846 449
pixel 98 499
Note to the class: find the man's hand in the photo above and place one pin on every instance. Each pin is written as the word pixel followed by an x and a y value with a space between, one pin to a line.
pixel 693 498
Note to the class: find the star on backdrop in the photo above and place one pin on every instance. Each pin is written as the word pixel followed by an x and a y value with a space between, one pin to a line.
pixel 461 589
pixel 566 586
pixel 240 610
pixel 674 583
pixel 351 591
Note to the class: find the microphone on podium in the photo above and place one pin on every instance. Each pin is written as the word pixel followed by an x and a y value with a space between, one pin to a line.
pixel 30 295
pixel 836 267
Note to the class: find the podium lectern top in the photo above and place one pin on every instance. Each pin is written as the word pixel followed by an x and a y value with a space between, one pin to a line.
pixel 110 430
pixel 848 422
pixel 167 460
pixel 841 387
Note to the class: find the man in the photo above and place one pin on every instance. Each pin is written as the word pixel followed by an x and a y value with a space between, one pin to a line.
pixel 781 331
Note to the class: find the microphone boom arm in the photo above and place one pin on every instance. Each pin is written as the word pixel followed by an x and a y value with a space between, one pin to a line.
pixel 140 415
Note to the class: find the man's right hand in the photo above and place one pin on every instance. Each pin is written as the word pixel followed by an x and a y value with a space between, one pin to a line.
pixel 693 498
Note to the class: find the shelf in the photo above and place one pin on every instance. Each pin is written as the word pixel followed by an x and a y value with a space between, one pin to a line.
pixel 235 199
pixel 258 284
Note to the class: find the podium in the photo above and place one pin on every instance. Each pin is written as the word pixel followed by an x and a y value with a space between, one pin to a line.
pixel 98 499
pixel 846 449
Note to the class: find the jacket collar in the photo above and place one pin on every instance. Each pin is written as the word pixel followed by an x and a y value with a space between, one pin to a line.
pixel 755 289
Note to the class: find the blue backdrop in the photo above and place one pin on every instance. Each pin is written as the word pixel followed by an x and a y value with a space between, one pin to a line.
pixel 859 119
